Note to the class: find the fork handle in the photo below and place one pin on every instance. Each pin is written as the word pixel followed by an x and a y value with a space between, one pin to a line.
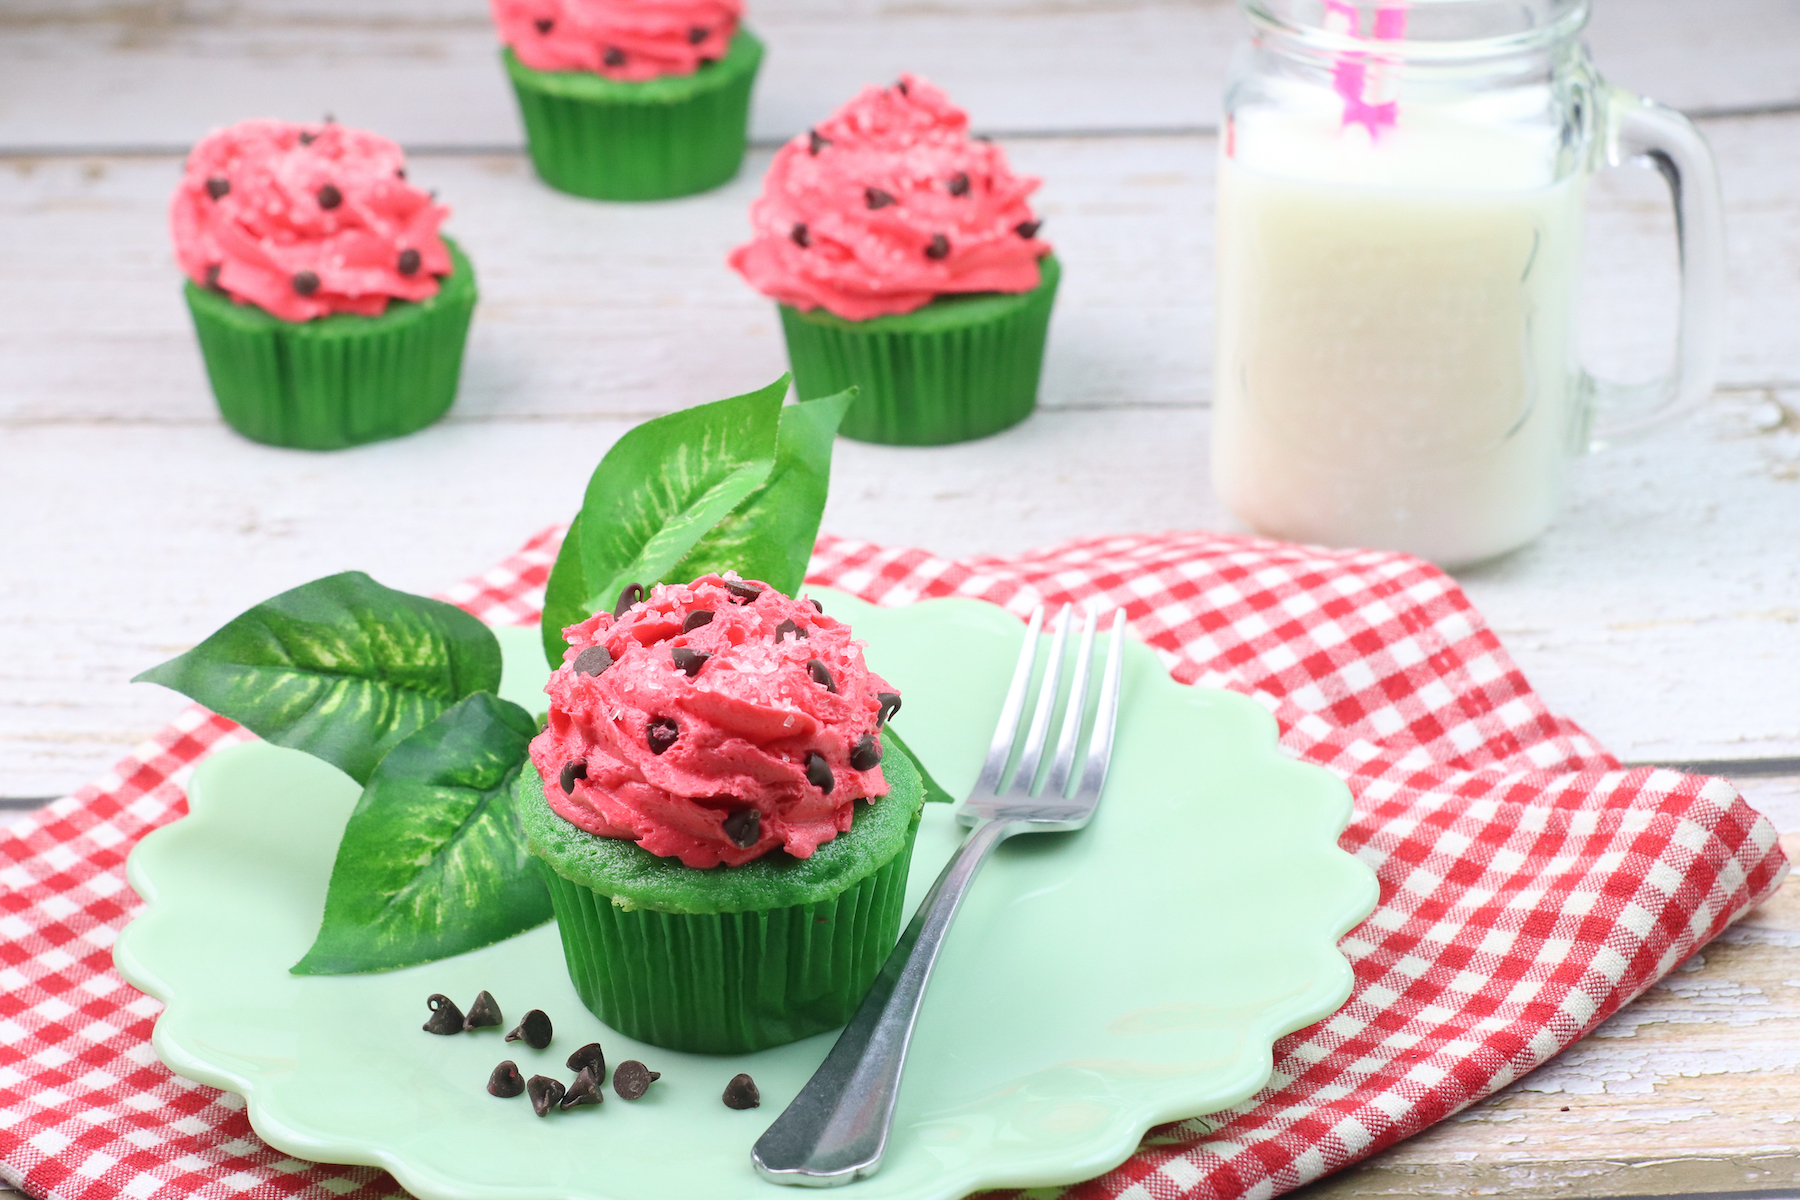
pixel 836 1129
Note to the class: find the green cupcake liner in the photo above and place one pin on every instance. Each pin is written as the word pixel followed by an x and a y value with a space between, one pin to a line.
pixel 341 380
pixel 960 368
pixel 609 140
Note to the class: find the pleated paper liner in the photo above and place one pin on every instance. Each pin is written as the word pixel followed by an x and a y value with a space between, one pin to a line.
pixel 611 140
pixel 962 367
pixel 341 380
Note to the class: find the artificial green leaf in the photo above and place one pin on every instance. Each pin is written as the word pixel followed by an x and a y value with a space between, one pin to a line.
pixel 655 494
pixel 433 860
pixel 770 535
pixel 342 668
pixel 934 792
pixel 565 595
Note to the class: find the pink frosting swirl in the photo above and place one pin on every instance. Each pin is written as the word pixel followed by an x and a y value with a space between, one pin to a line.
pixel 629 40
pixel 713 742
pixel 306 220
pixel 888 204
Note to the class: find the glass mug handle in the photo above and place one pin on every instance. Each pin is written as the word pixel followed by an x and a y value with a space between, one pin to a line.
pixel 1641 132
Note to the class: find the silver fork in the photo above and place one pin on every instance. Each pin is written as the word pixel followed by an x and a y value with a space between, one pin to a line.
pixel 836 1129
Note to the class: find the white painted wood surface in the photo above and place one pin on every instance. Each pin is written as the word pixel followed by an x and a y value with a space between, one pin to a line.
pixel 1663 611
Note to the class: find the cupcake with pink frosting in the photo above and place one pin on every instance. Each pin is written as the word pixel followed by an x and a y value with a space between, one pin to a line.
pixel 330 310
pixel 631 99
pixel 905 258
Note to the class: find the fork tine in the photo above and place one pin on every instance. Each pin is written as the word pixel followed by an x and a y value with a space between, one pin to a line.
pixel 1058 783
pixel 1006 729
pixel 1046 708
pixel 1100 742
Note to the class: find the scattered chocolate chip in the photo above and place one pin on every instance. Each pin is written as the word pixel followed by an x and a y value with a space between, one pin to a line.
pixel 212 275
pixel 506 1082
pixel 485 1011
pixel 741 1093
pixel 306 139
pixel 533 1030
pixel 697 34
pixel 818 772
pixel 890 704
pixel 593 661
pixel 743 827
pixel 939 248
pixel 743 593
pixel 660 734
pixel 544 24
pixel 900 86
pixel 688 661
pixel 959 184
pixel 305 282
pixel 801 237
pixel 1027 229
pixel 815 143
pixel 572 770
pixel 445 1016
pixel 817 607
pixel 409 262
pixel 545 1093
pixel 589 1058
pixel 632 593
pixel 585 1090
pixel 218 187
pixel 821 675
pixel 330 197
pixel 696 619
pixel 614 57
pixel 787 627
pixel 866 755
pixel 632 1079
pixel 874 197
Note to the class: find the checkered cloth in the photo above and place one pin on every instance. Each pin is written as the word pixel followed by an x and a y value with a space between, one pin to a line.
pixel 1529 887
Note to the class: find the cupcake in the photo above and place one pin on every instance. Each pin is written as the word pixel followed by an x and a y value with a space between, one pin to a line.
pixel 725 844
pixel 631 99
pixel 906 261
pixel 329 310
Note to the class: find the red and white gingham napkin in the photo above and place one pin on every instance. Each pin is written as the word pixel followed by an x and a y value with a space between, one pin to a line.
pixel 1529 887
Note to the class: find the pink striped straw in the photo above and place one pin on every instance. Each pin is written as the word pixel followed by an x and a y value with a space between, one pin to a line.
pixel 1367 82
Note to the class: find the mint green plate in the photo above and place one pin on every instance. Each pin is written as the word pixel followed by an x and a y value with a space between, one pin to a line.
pixel 1097 983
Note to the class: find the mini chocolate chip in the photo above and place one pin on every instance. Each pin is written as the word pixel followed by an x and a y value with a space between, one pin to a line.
pixel 218 187
pixel 506 1082
pixel 787 627
pixel 485 1011
pixel 212 275
pixel 866 755
pixel 593 661
pixel 818 772
pixel 743 827
pixel 817 607
pixel 533 1030
pixel 399 172
pixel 544 24
pixel 821 675
pixel 305 282
pixel 900 85
pixel 330 197
pixel 614 57
pixel 707 62
pixel 815 143
pixel 1028 229
pixel 743 593
pixel 632 1079
pixel 939 248
pixel 890 704
pixel 959 184
pixel 695 619
pixel 660 734
pixel 589 1058
pixel 572 770
pixel 632 593
pixel 874 197
pixel 545 1093
pixel 801 237
pixel 688 661
pixel 741 1093
pixel 445 1016
pixel 409 262
pixel 585 1090
pixel 307 139
pixel 697 34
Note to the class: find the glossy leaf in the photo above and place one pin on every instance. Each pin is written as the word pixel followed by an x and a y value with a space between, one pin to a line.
pixel 565 595
pixel 342 668
pixel 934 791
pixel 433 860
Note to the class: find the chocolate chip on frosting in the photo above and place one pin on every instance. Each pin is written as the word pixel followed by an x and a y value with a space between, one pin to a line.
pixel 741 1093
pixel 212 275
pixel 330 197
pixel 660 734
pixel 743 827
pixel 218 187
pixel 821 675
pixel 305 282
pixel 801 237
pixel 1027 229
pixel 874 197
pixel 787 627
pixel 939 248
pixel 409 262
pixel 307 139
pixel 688 661
pixel 815 143
pixel 959 184
pixel 900 86
pixel 506 1082
pixel 890 704
pixel 572 770
pixel 866 755
pixel 818 772
pixel 697 34
pixel 632 593
pixel 614 57
pixel 544 24
pixel 695 619
pixel 593 661
pixel 743 593
pixel 817 607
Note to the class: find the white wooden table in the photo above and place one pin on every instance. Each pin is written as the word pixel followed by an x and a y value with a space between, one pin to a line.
pixel 1663 611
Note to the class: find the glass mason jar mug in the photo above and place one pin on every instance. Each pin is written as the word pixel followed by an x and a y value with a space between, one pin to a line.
pixel 1400 212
